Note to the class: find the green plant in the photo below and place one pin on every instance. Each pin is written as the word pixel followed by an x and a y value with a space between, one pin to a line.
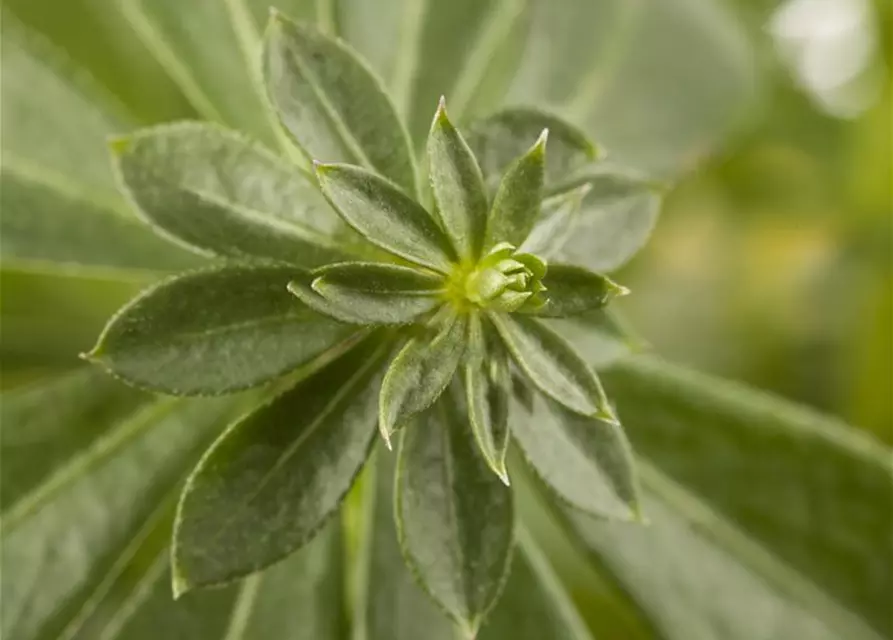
pixel 465 278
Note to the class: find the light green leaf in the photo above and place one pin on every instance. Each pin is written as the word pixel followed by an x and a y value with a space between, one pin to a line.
pixel 217 331
pixel 454 516
pixel 658 82
pixel 572 291
pixel 559 217
pixel 587 463
pixel 389 604
pixel 534 604
pixel 809 490
pixel 602 336
pixel 458 186
pixel 516 205
pixel 499 139
pixel 552 365
pixel 467 50
pixel 215 191
pixel 271 480
pixel 385 215
pixel 332 103
pixel 374 293
pixel 200 46
pixel 488 388
pixel 94 508
pixel 420 372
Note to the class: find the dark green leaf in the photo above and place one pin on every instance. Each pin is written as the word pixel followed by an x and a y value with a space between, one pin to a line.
pixel 488 388
pixel 500 138
pixel 588 463
pixel 572 291
pixel 373 293
pixel 215 191
pixel 420 372
pixel 458 186
pixel 332 104
pixel 552 365
pixel 216 331
pixel 534 604
pixel 454 516
pixel 516 205
pixel 390 605
pixel 385 215
pixel 270 481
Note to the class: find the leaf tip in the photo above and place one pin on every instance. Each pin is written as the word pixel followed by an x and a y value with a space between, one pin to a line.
pixel 179 584
pixel 94 355
pixel 616 290
pixel 540 144
pixel 606 414
pixel 119 145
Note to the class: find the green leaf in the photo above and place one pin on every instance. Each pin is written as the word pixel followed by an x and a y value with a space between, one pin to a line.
pixel 420 372
pixel 808 489
pixel 389 604
pixel 587 463
pixel 601 337
pixel 572 291
pixel 217 331
pixel 454 516
pixel 534 604
pixel 374 293
pixel 202 47
pixel 488 388
pixel 458 186
pixel 500 138
pixel 95 506
pixel 332 103
pixel 516 205
pixel 552 365
pixel 271 480
pixel 385 215
pixel 219 193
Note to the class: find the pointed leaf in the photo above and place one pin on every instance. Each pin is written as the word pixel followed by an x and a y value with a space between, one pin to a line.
pixel 551 364
pixel 499 139
pixel 219 193
pixel 559 217
pixel 385 215
pixel 586 462
pixel 516 206
pixel 458 186
pixel 454 516
pixel 216 331
pixel 488 388
pixel 373 293
pixel 389 603
pixel 572 291
pixel 420 372
pixel 272 478
pixel 332 104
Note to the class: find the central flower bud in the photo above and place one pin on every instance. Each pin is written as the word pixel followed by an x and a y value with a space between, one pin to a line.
pixel 505 280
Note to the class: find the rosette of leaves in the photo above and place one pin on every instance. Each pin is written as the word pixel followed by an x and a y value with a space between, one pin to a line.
pixel 306 337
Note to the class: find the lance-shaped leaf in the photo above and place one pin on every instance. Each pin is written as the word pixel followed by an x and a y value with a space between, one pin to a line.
pixel 457 184
pixel 385 215
pixel 586 462
pixel 420 372
pixel 454 516
pixel 271 480
pixel 373 293
pixel 216 331
pixel 500 138
pixel 558 218
pixel 332 103
pixel 214 191
pixel 552 365
pixel 516 206
pixel 572 291
pixel 488 388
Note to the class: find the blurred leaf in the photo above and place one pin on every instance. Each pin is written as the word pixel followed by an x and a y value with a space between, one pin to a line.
pixel 601 336
pixel 220 193
pixel 202 46
pixel 454 516
pixel 390 605
pixel 271 480
pixel 217 331
pixel 332 104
